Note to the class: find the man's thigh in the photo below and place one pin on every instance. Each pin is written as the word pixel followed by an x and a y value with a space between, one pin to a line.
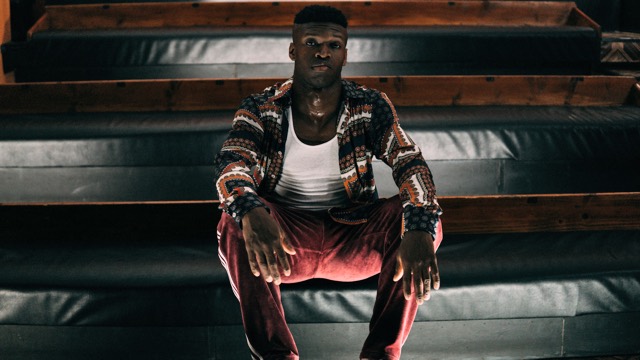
pixel 356 252
pixel 331 250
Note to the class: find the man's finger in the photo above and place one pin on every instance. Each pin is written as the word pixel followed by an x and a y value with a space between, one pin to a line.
pixel 253 264
pixel 284 261
pixel 435 274
pixel 426 280
pixel 418 286
pixel 406 286
pixel 274 274
pixel 287 246
pixel 399 271
pixel 264 266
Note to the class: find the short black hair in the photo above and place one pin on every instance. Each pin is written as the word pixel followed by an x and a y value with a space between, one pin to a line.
pixel 320 14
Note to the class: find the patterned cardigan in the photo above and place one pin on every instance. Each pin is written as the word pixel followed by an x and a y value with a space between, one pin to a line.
pixel 250 162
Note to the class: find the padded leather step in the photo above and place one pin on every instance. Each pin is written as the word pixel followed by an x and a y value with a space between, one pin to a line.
pixel 169 156
pixel 224 53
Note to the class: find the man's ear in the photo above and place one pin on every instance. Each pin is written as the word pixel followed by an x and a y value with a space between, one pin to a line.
pixel 344 62
pixel 292 52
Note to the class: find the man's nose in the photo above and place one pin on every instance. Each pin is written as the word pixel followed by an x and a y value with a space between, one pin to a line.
pixel 323 51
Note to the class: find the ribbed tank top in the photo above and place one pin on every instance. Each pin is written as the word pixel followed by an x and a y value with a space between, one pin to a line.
pixel 311 174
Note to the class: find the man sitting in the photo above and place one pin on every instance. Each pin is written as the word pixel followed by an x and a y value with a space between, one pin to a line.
pixel 296 184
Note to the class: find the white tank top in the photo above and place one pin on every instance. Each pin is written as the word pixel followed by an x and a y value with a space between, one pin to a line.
pixel 310 175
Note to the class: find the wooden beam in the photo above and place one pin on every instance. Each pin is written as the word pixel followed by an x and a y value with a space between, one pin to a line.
pixel 504 90
pixel 578 18
pixel 5 32
pixel 130 95
pixel 462 214
pixel 41 24
pixel 541 213
pixel 281 14
pixel 219 94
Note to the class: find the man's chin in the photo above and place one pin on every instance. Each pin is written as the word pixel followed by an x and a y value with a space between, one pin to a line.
pixel 323 80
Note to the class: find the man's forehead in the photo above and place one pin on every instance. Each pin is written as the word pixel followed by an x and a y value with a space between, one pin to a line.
pixel 318 28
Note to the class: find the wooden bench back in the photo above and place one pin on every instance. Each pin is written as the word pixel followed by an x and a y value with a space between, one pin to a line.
pixel 281 13
pixel 463 214
pixel 219 94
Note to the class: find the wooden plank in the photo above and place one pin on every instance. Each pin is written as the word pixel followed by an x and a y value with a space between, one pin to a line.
pixel 578 18
pixel 462 214
pixel 218 94
pixel 41 24
pixel 111 96
pixel 541 213
pixel 504 90
pixel 281 13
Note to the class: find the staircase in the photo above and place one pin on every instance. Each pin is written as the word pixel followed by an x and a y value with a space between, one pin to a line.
pixel 528 113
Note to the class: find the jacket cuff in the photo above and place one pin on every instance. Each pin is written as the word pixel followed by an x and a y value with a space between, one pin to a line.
pixel 421 218
pixel 242 205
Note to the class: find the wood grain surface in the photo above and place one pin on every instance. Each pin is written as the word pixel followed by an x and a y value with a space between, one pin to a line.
pixel 218 94
pixel 281 13
pixel 462 214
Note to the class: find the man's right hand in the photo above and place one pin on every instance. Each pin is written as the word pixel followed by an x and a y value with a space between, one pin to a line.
pixel 267 245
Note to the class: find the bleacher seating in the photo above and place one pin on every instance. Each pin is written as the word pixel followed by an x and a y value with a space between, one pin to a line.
pixel 121 138
pixel 108 210
pixel 211 40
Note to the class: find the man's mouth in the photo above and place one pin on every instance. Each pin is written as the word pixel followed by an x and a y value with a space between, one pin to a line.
pixel 321 67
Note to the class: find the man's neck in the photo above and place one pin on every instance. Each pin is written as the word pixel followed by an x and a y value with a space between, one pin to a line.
pixel 315 112
pixel 316 106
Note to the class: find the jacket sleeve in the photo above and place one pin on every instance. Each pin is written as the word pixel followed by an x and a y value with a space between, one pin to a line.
pixel 410 171
pixel 237 164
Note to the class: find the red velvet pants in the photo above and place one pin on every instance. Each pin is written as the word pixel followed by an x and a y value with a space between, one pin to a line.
pixel 324 249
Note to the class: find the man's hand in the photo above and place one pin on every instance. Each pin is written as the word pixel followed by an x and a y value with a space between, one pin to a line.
pixel 417 259
pixel 266 245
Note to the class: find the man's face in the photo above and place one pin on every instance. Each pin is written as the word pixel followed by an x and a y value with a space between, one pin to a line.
pixel 319 51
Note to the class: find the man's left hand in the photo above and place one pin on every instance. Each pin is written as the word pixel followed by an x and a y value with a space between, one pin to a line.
pixel 417 261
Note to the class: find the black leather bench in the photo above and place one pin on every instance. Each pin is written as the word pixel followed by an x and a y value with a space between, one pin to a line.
pixel 142 280
pixel 472 150
pixel 58 55
pixel 144 272
pixel 607 13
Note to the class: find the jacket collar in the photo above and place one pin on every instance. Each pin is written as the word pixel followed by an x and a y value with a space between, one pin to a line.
pixel 349 91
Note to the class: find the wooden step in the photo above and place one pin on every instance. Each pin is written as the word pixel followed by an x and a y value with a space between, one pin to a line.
pixel 462 214
pixel 281 13
pixel 541 213
pixel 218 94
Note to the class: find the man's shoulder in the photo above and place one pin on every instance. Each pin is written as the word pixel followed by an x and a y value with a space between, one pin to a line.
pixel 354 90
pixel 282 91
pixel 271 93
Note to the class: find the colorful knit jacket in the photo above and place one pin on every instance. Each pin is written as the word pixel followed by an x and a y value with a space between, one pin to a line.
pixel 250 162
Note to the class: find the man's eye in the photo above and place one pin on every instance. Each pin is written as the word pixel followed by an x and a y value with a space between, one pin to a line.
pixel 311 43
pixel 336 45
